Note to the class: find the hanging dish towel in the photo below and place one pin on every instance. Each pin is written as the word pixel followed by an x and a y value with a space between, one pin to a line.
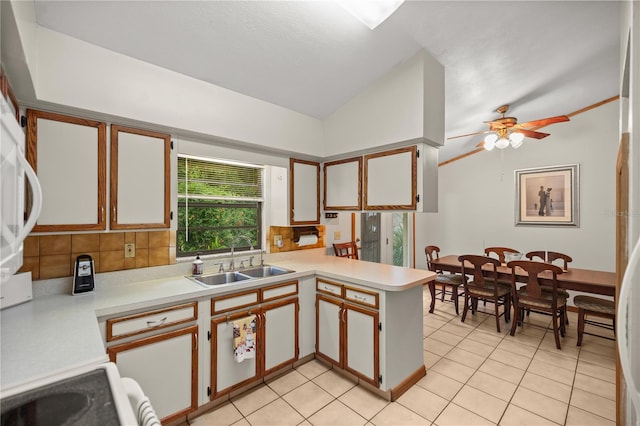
pixel 244 338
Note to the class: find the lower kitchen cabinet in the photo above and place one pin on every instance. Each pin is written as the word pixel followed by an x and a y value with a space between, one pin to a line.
pixel 166 367
pixel 276 335
pixel 347 334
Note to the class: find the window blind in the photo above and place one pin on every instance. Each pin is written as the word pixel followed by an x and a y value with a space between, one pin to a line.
pixel 205 179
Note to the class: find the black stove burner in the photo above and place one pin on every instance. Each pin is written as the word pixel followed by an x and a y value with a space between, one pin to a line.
pixel 80 400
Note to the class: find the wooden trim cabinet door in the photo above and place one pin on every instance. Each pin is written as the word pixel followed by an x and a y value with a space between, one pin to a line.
pixel 304 192
pixel 69 156
pixel 226 373
pixel 329 338
pixel 140 179
pixel 361 351
pixel 391 179
pixel 166 367
pixel 279 334
pixel 343 184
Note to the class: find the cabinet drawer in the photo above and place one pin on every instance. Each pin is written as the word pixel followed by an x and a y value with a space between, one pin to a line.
pixel 234 301
pixel 363 297
pixel 328 287
pixel 131 325
pixel 279 291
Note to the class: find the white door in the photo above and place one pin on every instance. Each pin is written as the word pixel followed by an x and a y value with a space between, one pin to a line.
pixel 280 322
pixel 166 368
pixel 328 341
pixel 361 337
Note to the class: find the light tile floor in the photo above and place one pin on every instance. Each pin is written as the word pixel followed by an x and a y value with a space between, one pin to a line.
pixel 475 376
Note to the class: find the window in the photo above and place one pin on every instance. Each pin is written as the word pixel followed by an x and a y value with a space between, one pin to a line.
pixel 218 202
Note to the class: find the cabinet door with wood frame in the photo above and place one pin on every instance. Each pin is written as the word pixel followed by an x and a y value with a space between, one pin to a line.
pixel 304 192
pixel 69 157
pixel 140 174
pixel 343 184
pixel 391 180
pixel 166 367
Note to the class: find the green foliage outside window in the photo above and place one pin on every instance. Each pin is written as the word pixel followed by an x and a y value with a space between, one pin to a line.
pixel 217 202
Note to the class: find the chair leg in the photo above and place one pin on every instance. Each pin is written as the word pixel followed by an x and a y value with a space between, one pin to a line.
pixel 515 319
pixel 497 309
pixel 507 309
pixel 432 290
pixel 466 307
pixel 563 317
pixel 454 292
pixel 443 287
pixel 556 334
pixel 580 325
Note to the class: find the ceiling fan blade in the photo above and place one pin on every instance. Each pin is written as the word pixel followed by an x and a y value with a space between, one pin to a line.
pixel 468 134
pixel 532 134
pixel 543 122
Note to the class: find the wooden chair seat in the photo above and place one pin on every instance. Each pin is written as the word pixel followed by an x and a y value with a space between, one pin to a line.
pixel 449 279
pixel 489 289
pixel 545 300
pixel 589 305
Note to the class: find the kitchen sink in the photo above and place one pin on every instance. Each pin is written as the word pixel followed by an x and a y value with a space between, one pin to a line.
pixel 221 278
pixel 251 273
pixel 265 271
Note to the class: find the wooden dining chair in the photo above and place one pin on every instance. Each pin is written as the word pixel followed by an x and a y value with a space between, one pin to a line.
pixel 487 288
pixel 533 296
pixel 552 256
pixel 594 306
pixel 500 252
pixel 540 254
pixel 348 250
pixel 450 284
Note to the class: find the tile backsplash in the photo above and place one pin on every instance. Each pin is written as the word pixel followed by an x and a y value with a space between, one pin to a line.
pixel 54 256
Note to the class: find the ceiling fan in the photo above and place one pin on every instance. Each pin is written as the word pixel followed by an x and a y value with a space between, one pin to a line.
pixel 506 130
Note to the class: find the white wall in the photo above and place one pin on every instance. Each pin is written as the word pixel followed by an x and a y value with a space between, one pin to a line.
pixel 391 110
pixel 476 195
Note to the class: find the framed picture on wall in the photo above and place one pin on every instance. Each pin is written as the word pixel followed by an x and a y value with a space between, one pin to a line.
pixel 548 196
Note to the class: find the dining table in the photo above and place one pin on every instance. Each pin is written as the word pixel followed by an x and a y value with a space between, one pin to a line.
pixel 576 279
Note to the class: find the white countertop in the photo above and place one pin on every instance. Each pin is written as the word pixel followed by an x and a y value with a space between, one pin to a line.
pixel 59 332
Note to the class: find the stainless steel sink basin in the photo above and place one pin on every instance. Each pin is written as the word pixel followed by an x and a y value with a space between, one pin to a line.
pixel 221 278
pixel 265 271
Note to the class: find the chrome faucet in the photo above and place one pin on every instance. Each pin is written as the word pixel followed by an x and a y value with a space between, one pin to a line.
pixel 233 247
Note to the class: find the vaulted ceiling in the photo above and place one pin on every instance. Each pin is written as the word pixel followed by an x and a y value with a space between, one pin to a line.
pixel 544 58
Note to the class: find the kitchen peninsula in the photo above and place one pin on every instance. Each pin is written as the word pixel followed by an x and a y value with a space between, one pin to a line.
pixel 59 332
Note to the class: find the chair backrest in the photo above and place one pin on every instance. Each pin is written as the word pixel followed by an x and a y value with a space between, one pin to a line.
pixel 478 273
pixel 348 250
pixel 432 252
pixel 553 256
pixel 499 251
pixel 533 269
pixel 539 254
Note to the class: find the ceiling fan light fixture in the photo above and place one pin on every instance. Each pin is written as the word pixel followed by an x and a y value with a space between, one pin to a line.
pixel 370 12
pixel 490 141
pixel 516 139
pixel 502 143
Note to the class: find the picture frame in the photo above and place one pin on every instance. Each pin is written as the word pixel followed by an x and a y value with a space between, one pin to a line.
pixel 548 196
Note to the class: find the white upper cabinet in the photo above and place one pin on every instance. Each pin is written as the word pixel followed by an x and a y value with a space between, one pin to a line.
pixel 69 157
pixel 343 184
pixel 402 179
pixel 390 180
pixel 140 179
pixel 304 192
